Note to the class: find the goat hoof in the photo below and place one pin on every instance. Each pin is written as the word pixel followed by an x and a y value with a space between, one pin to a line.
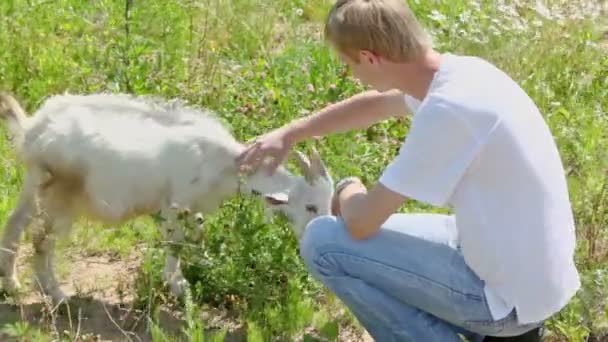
pixel 11 285
pixel 54 295
pixel 59 298
pixel 178 287
pixel 5 264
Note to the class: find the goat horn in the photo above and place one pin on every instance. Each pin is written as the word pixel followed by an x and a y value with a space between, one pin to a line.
pixel 317 166
pixel 304 164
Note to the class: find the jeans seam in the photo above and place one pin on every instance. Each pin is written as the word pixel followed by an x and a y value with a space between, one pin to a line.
pixel 499 324
pixel 468 296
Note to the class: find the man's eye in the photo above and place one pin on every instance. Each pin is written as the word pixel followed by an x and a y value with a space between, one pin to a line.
pixel 311 208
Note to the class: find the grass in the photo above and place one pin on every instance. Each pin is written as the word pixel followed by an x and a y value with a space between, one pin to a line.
pixel 260 64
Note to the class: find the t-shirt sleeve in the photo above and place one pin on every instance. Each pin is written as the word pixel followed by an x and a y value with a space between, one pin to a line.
pixel 411 103
pixel 441 144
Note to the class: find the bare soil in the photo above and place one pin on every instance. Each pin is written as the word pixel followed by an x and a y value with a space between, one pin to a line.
pixel 101 306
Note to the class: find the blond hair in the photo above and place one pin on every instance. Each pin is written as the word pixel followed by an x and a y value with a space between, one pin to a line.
pixel 385 27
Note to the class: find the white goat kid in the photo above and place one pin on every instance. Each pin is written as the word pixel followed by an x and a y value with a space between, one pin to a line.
pixel 115 157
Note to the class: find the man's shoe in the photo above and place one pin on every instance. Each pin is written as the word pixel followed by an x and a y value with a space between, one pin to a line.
pixel 534 335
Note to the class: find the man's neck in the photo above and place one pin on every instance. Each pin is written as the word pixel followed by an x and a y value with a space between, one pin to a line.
pixel 419 74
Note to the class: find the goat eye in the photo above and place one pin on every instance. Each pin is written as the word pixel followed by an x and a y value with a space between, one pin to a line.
pixel 311 208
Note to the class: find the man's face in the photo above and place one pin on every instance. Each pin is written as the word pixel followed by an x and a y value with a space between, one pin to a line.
pixel 367 69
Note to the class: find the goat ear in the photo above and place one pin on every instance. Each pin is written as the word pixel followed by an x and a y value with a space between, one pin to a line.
pixel 317 166
pixel 304 165
pixel 276 198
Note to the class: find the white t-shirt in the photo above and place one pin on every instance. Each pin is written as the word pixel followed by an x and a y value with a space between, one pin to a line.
pixel 479 145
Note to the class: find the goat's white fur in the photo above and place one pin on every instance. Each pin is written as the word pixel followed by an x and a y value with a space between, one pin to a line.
pixel 115 157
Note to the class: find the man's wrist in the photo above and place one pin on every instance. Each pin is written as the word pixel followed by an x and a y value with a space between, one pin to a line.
pixel 294 133
pixel 343 183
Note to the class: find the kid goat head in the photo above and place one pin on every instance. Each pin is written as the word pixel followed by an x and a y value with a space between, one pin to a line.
pixel 308 197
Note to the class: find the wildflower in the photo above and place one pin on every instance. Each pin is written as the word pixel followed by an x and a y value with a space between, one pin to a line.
pixel 299 12
pixel 475 5
pixel 542 10
pixel 508 10
pixel 464 17
pixel 437 16
pixel 494 30
pixel 270 94
pixel 555 104
pixel 519 25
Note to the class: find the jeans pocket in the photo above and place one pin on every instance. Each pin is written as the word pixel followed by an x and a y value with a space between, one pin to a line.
pixel 493 327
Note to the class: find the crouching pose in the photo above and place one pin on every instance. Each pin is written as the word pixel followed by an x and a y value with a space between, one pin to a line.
pixel 502 263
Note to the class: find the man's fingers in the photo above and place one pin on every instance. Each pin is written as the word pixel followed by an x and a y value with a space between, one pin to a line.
pixel 273 165
pixel 252 159
pixel 248 154
pixel 243 155
pixel 255 161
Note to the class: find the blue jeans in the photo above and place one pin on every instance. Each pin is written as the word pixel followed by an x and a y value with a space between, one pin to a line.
pixel 409 282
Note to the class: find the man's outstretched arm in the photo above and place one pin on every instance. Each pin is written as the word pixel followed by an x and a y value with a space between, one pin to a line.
pixel 359 111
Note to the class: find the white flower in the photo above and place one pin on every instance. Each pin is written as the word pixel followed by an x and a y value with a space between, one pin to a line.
pixel 494 30
pixel 437 16
pixel 299 12
pixel 542 10
pixel 464 17
pixel 475 5
pixel 520 25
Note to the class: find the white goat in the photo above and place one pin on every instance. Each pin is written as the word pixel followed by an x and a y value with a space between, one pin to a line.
pixel 116 157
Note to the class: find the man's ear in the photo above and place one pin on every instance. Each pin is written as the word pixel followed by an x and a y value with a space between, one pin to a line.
pixel 368 56
pixel 278 198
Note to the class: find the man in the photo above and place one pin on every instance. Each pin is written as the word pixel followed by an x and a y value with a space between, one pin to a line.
pixel 503 262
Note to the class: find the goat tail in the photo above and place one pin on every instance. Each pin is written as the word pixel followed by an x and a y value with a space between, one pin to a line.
pixel 13 113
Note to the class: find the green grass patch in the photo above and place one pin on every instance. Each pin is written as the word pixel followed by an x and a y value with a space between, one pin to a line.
pixel 260 64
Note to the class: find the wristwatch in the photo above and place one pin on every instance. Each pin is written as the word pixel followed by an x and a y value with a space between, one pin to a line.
pixel 345 182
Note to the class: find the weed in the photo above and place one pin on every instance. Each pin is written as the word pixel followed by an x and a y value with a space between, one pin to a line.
pixel 260 64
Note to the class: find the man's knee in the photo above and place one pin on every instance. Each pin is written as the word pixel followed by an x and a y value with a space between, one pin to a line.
pixel 319 231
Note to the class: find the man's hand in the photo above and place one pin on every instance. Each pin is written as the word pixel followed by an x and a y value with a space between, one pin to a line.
pixel 275 144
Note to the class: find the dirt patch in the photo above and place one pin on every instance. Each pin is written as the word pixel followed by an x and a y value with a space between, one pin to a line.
pixel 604 41
pixel 101 306
pixel 100 309
pixel 88 319
pixel 100 277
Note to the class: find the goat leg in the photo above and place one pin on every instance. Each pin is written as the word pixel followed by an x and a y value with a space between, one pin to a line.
pixel 19 219
pixel 174 236
pixel 44 251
